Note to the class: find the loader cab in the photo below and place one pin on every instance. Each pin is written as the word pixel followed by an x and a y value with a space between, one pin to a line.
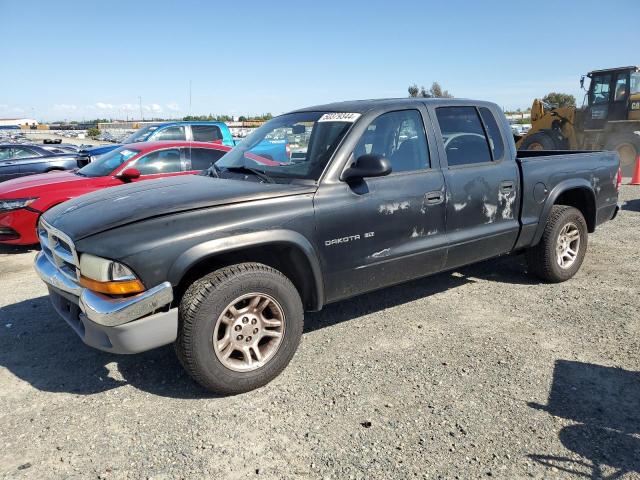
pixel 613 95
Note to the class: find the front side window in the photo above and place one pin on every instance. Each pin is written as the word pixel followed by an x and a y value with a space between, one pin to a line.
pixel 206 133
pixel 463 136
pixel 399 137
pixel 105 164
pixel 160 161
pixel 292 146
pixel 600 90
pixel 5 153
pixel 170 133
pixel 202 158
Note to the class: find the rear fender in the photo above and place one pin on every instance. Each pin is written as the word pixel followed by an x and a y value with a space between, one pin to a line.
pixel 562 187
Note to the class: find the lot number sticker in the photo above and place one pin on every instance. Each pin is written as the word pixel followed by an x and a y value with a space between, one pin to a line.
pixel 339 117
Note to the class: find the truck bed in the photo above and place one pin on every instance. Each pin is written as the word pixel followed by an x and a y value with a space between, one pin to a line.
pixel 544 174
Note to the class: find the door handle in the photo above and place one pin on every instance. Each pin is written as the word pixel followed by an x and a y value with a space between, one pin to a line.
pixel 434 198
pixel 507 186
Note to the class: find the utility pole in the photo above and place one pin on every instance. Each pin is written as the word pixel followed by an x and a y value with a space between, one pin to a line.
pixel 141 115
pixel 189 97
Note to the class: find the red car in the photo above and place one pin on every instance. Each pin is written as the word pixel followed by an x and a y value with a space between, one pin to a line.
pixel 23 200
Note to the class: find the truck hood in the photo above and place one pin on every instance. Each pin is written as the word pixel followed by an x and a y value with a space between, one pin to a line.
pixel 106 209
pixel 35 185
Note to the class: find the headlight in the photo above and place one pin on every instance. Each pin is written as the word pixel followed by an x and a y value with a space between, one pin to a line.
pixel 106 276
pixel 15 204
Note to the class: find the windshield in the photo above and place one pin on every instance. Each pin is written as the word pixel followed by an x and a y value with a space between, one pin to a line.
pixel 141 135
pixel 107 163
pixel 294 146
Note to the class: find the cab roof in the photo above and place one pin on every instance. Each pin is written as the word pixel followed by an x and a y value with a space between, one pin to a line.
pixel 364 106
pixel 617 69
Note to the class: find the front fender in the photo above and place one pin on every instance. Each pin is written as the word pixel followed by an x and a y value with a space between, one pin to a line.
pixel 202 251
pixel 552 197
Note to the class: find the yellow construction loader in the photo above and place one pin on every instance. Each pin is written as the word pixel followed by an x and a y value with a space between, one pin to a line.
pixel 609 120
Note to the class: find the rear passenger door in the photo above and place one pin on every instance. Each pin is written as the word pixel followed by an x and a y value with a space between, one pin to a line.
pixel 482 181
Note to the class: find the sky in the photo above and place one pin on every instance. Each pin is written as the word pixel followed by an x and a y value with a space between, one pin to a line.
pixel 79 60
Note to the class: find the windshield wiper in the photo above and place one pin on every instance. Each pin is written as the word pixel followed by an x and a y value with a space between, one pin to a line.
pixel 255 171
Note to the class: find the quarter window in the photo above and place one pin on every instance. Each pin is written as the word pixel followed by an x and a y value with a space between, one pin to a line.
pixel 206 133
pixel 463 136
pixel 170 133
pixel 399 137
pixel 161 161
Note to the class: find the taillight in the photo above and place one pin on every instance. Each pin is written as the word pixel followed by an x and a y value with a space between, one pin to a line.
pixel 287 150
pixel 619 180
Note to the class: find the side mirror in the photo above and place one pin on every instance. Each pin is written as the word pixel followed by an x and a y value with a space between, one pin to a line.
pixel 582 82
pixel 367 166
pixel 129 174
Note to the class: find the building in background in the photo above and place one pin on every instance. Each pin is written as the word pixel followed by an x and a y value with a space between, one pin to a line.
pixel 21 122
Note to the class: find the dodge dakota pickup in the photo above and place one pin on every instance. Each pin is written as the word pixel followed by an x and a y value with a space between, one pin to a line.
pixel 224 264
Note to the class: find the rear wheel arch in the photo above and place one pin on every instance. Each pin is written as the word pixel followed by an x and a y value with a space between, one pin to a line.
pixel 573 193
pixel 287 252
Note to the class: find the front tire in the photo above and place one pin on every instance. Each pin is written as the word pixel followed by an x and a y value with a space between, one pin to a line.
pixel 239 327
pixel 560 252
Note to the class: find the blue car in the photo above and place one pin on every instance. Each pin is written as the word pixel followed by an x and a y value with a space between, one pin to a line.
pixel 215 132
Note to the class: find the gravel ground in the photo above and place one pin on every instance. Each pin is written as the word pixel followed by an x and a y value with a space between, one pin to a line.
pixel 480 372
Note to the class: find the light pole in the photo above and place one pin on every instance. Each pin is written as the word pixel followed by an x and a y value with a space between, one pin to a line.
pixel 141 115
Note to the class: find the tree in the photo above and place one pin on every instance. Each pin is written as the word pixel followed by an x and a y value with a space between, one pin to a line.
pixel 93 132
pixel 435 91
pixel 560 99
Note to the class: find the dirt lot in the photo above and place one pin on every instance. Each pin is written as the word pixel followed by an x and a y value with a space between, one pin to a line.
pixel 480 372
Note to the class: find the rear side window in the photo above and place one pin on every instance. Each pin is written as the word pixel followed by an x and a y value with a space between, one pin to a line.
pixel 169 133
pixel 202 158
pixel 206 133
pixel 495 137
pixel 463 136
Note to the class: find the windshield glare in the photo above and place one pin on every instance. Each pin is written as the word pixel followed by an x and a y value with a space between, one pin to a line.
pixel 295 146
pixel 107 163
pixel 141 135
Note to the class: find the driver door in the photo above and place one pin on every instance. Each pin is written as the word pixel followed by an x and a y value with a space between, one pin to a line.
pixel 382 231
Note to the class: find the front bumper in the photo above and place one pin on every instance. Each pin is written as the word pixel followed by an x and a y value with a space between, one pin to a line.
pixel 23 223
pixel 119 325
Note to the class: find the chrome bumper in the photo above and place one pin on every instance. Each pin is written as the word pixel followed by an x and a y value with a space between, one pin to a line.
pixel 101 309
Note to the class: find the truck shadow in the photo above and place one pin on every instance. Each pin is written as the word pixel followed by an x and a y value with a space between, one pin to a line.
pixel 632 205
pixel 14 249
pixel 39 348
pixel 605 402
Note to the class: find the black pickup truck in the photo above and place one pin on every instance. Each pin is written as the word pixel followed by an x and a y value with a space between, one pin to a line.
pixel 378 192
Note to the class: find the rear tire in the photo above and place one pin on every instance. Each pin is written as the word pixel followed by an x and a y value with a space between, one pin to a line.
pixel 565 232
pixel 258 343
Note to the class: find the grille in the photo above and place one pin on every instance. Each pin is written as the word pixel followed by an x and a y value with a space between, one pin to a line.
pixel 60 250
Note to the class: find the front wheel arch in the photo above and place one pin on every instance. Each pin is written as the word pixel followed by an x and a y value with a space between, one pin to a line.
pixel 286 251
